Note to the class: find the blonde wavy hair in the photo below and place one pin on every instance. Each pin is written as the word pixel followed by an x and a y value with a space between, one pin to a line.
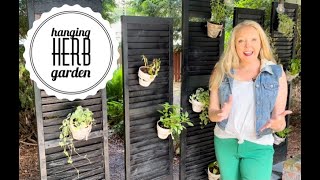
pixel 229 59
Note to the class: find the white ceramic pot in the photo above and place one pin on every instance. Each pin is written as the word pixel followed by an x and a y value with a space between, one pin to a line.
pixel 144 78
pixel 80 134
pixel 290 77
pixel 163 133
pixel 197 106
pixel 212 176
pixel 213 30
pixel 278 140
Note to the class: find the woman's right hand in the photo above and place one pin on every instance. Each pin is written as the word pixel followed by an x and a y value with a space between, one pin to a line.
pixel 224 112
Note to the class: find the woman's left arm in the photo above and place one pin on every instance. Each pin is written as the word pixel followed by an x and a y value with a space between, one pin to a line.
pixel 277 122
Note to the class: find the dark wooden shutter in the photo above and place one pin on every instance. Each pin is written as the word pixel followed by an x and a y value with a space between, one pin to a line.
pixel 200 54
pixel 285 47
pixel 50 112
pixel 241 14
pixel 285 50
pixel 147 156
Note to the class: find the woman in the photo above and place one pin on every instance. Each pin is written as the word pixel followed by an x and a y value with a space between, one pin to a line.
pixel 248 93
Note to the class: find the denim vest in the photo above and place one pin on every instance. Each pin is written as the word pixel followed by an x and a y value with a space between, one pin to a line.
pixel 266 91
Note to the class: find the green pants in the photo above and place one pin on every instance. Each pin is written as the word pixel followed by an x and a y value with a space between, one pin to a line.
pixel 246 161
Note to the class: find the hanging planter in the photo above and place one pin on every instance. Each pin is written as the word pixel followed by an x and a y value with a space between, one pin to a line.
pixel 294 69
pixel 81 133
pixel 163 133
pixel 145 79
pixel 213 171
pixel 278 140
pixel 199 99
pixel 218 15
pixel 281 136
pixel 148 72
pixel 290 77
pixel 196 105
pixel 214 30
pixel 77 125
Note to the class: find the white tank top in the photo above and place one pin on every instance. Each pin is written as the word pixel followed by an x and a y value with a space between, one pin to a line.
pixel 241 121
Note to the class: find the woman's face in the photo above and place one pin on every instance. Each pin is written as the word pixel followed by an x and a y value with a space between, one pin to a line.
pixel 248 44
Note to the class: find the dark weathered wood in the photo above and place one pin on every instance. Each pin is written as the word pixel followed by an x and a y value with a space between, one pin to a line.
pixel 154 175
pixel 68 167
pixel 77 144
pixel 65 112
pixel 291 10
pixel 58 121
pixel 141 103
pixel 143 26
pixel 200 54
pixel 200 9
pixel 55 143
pixel 105 136
pixel 45 99
pixel 199 3
pixel 60 106
pixel 148 166
pixel 55 128
pixel 72 174
pixel 41 141
pixel 146 33
pixel 241 14
pixel 60 154
pixel 55 132
pixel 77 160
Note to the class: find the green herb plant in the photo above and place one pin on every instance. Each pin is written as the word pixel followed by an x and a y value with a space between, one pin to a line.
pixel 153 68
pixel 201 96
pixel 295 66
pixel 284 133
pixel 218 11
pixel 174 119
pixel 81 118
pixel 286 25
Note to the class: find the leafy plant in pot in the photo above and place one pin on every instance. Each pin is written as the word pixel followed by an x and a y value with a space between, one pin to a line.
pixel 172 121
pixel 148 72
pixel 213 171
pixel 218 14
pixel 281 136
pixel 200 103
pixel 199 99
pixel 286 25
pixel 294 69
pixel 76 126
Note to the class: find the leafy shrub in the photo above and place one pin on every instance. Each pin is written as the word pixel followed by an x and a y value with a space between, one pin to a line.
pixel 26 93
pixel 115 86
pixel 115 102
pixel 115 112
